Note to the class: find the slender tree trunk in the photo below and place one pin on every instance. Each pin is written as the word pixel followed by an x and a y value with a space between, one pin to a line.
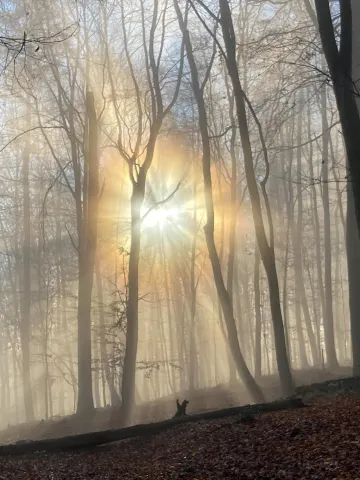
pixel 352 237
pixel 339 322
pixel 193 371
pixel 232 369
pixel 59 300
pixel 289 213
pixel 266 249
pixel 316 229
pixel 329 316
pixel 353 264
pixel 104 359
pixel 179 318
pixel 132 308
pixel 25 326
pixel 340 63
pixel 232 227
pixel 300 292
pixel 15 386
pixel 257 301
pixel 249 350
pixel 87 255
pixel 171 327
pixel 223 294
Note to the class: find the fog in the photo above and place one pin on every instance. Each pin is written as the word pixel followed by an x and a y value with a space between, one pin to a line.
pixel 165 229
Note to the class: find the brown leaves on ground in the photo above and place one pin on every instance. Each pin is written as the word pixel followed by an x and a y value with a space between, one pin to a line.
pixel 319 442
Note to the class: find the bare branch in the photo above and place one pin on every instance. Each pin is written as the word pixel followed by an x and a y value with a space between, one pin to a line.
pixel 161 202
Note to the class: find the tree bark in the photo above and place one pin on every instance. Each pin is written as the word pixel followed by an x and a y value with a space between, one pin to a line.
pixel 340 66
pixel 257 314
pixel 193 367
pixel 266 249
pixel 114 397
pixel 352 239
pixel 329 315
pixel 25 325
pixel 132 308
pixel 300 292
pixel 87 252
pixel 223 294
pixel 91 440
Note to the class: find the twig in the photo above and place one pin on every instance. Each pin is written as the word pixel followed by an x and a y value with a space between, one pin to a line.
pixel 161 202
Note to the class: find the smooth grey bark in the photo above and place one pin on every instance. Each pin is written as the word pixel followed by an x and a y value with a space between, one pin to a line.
pixel 352 238
pixel 286 175
pixel 232 230
pixel 104 358
pixel 340 65
pixel 248 317
pixel 193 367
pixel 257 300
pixel 266 248
pixel 339 318
pixel 232 369
pixel 138 176
pixel 329 315
pixel 179 314
pixel 297 297
pixel 223 294
pixel 171 321
pixel 87 252
pixel 25 325
pixel 316 228
pixel 353 265
pixel 59 272
pixel 300 292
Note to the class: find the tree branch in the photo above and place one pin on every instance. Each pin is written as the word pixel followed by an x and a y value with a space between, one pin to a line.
pixel 161 202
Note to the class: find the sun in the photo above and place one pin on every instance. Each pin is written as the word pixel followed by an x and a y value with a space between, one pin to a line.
pixel 159 217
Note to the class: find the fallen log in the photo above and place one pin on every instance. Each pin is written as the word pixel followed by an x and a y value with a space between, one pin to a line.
pixel 339 386
pixel 94 439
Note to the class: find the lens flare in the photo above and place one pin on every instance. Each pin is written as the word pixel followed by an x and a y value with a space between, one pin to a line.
pixel 159 217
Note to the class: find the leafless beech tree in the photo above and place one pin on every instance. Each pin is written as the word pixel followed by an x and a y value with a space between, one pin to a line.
pixel 177 216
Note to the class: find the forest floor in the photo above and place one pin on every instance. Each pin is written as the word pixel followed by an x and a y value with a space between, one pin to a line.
pixel 319 442
pixel 221 396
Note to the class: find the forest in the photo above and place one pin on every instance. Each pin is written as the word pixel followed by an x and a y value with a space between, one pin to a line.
pixel 180 200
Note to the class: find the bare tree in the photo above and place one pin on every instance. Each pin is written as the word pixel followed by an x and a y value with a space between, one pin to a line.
pixel 223 294
pixel 266 248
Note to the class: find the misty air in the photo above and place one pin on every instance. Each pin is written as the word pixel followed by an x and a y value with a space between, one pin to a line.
pixel 180 239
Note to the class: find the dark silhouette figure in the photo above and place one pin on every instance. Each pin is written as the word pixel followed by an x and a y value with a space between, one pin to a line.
pixel 180 408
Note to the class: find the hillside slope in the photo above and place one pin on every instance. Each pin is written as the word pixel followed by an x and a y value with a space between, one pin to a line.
pixel 319 442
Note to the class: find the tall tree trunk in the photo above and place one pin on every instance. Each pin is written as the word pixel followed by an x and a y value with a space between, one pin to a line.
pixel 223 294
pixel 232 369
pixel 132 308
pixel 353 264
pixel 266 249
pixel 193 370
pixel 87 253
pixel 25 325
pixel 340 63
pixel 171 321
pixel 104 358
pixel 287 187
pixel 316 228
pixel 352 237
pixel 329 316
pixel 339 320
pixel 59 300
pixel 300 292
pixel 257 300
pixel 232 227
